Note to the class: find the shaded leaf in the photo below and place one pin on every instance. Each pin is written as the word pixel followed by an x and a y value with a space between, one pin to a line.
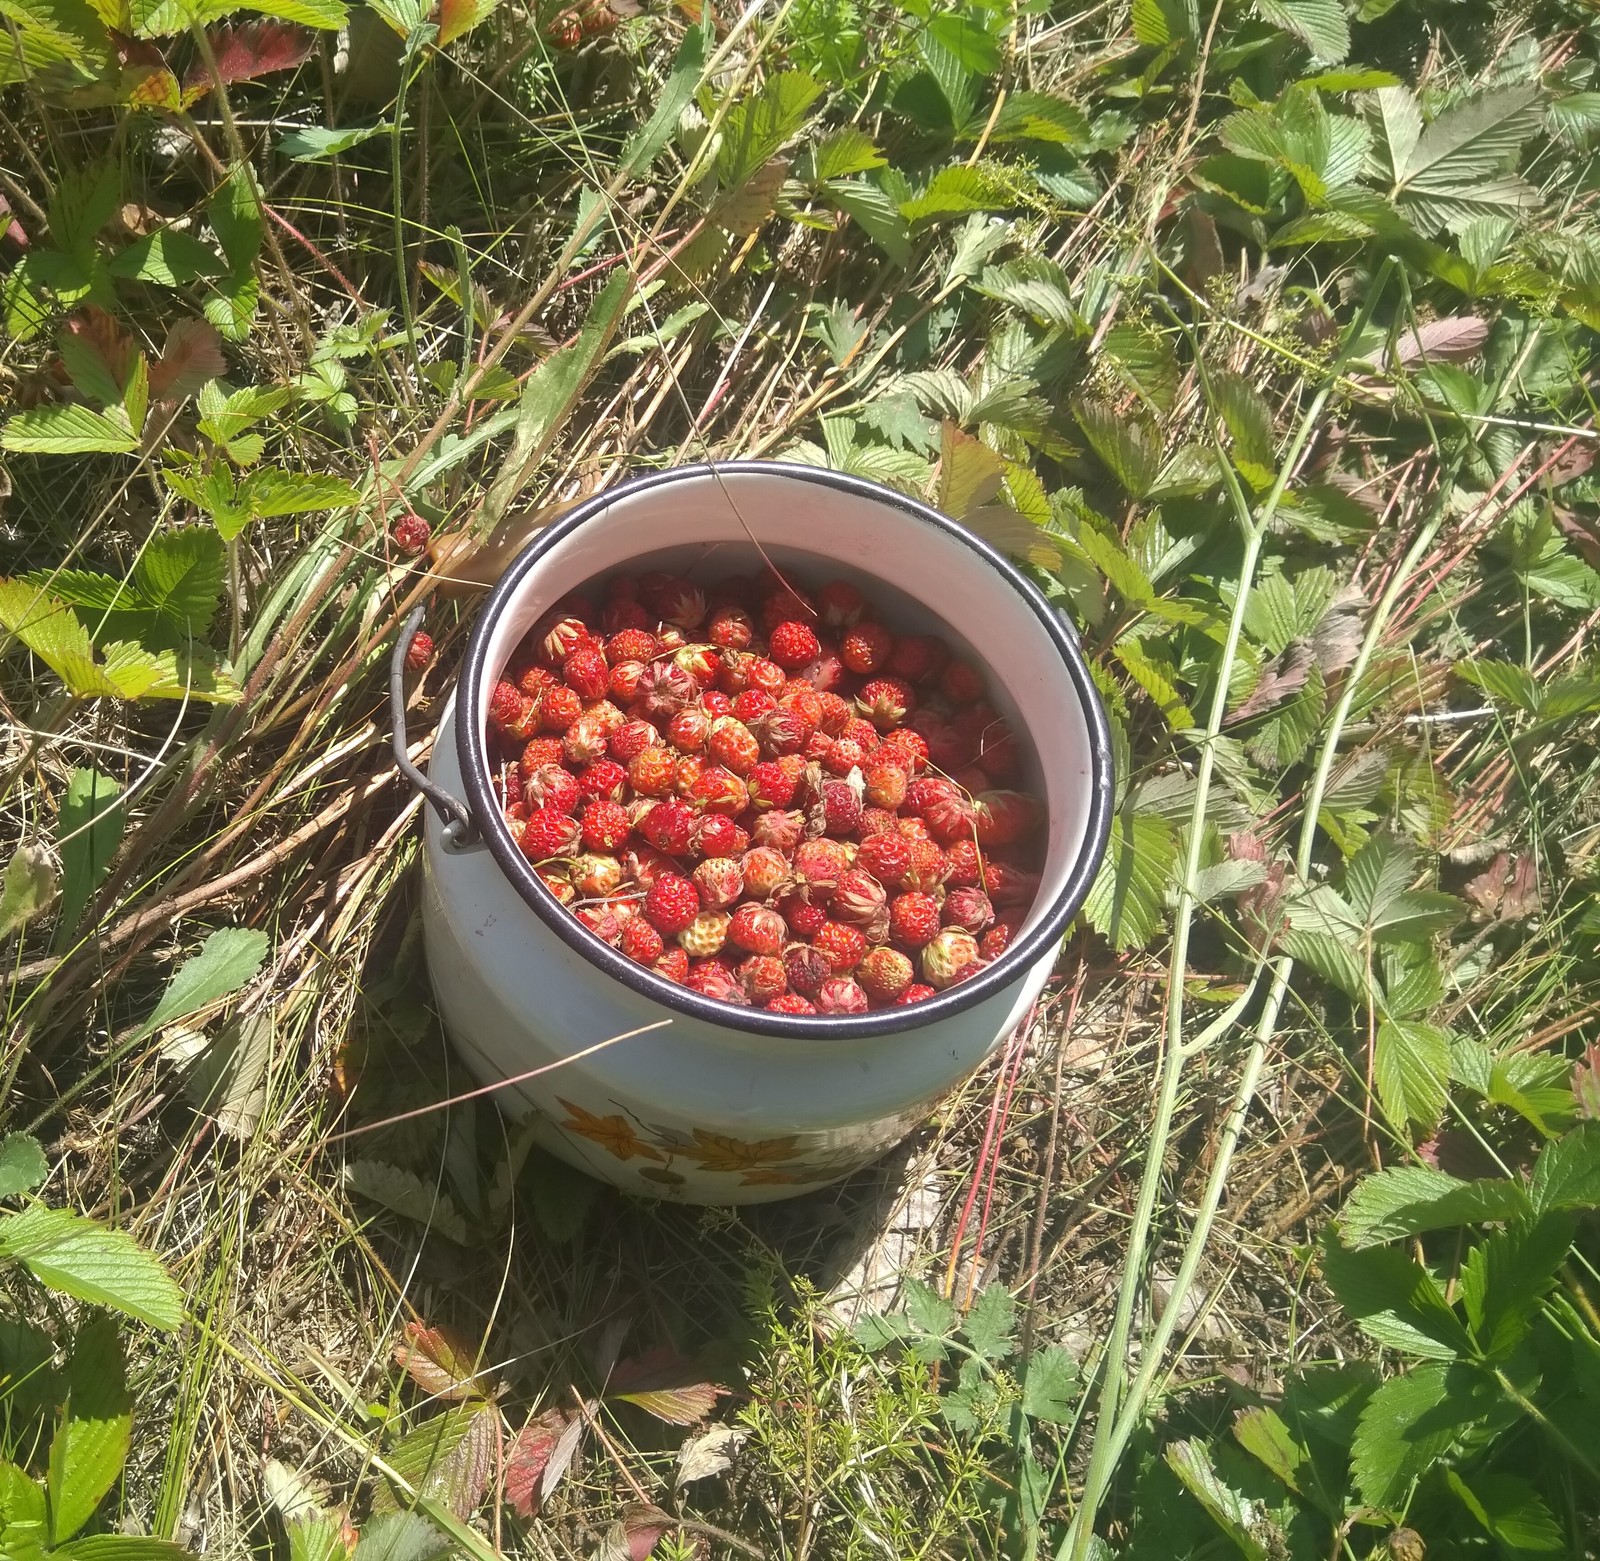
pixel 92 1440
pixel 1567 1173
pixel 1051 1385
pixel 666 1385
pixel 1410 1199
pixel 1394 1300
pixel 28 886
pixel 405 1193
pixel 1409 1423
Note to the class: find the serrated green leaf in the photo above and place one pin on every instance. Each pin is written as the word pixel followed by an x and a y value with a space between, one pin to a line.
pixel 1159 23
pixel 1252 1530
pixel 1249 421
pixel 1411 1070
pixel 1457 169
pixel 990 1325
pixel 1510 1511
pixel 81 1258
pixel 1125 902
pixel 1157 676
pixel 1409 1423
pixel 1321 25
pixel 1394 1300
pixel 232 308
pixel 169 257
pixel 408 1195
pixel 311 143
pixel 876 213
pixel 1036 285
pixel 88 832
pixel 756 128
pixel 1263 1434
pixel 1144 361
pixel 22 1164
pixel 1038 116
pixel 1407 1200
pixel 1502 680
pixel 1129 446
pixel 839 154
pixel 1051 1385
pixel 952 192
pixel 83 201
pixel 647 143
pixel 92 1440
pixel 234 212
pixel 68 430
pixel 1325 934
pixel 122 1547
pixel 1567 1172
pixel 1507 1274
pixel 271 491
pixel 228 960
pixel 88 370
pixel 970 473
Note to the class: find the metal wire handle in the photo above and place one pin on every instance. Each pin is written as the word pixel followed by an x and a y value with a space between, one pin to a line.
pixel 459 828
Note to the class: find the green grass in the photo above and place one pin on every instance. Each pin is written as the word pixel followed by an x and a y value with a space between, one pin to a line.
pixel 1340 600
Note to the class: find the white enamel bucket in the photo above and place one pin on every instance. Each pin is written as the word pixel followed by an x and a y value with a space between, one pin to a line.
pixel 705 1102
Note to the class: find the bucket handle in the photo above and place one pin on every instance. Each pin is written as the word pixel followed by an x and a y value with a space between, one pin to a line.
pixel 459 828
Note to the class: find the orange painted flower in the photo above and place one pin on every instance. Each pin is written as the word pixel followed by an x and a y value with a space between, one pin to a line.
pixel 614 1133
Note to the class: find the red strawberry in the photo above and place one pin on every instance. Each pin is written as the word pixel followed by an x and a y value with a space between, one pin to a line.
pixel 601 921
pixel 752 704
pixel 837 713
pixel 842 755
pixel 716 704
pixel 767 676
pixel 419 652
pixel 549 832
pixel 668 827
pixel 559 634
pixel 843 946
pixel 652 771
pixel 559 707
pixel 733 745
pixel 606 826
pixel 865 648
pixel 505 705
pixel 961 683
pixel 586 672
pixel 841 995
pixel 412 534
pixel 840 604
pixel 914 919
pixel 533 681
pixel 550 786
pixel 720 881
pixel 644 864
pixel 705 935
pixel 672 903
pixel 886 702
pixel 585 740
pixel 819 863
pixel 688 729
pixel 917 992
pixel 968 909
pixel 807 968
pixel 603 781
pixel 945 959
pixel 806 917
pixel 624 680
pixel 876 821
pixel 765 977
pixel 884 780
pixel 509 785
pixel 966 864
pixel 887 857
pixel 641 942
pixel 793 644
pixel 717 790
pixel 999 753
pixel 596 873
pixel 715 834
pixel 859 901
pixel 665 688
pixel 1004 817
pixel 884 974
pixel 764 870
pixel 786 604
pixel 631 738
pixel 1009 885
pixel 837 810
pixel 917 657
pixel 996 940
pixel 758 929
pixel 784 729
pixel 912 744
pixel 711 978
pixel 949 816
pixel 631 644
pixel 538 752
pixel 701 662
pixel 929 866
pixel 619 616
pixel 673 965
pixel 731 628
pixel 791 1003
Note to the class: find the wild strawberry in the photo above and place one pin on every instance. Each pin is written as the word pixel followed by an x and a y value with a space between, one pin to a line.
pixel 558 886
pixel 717 790
pixel 705 935
pixel 601 921
pixel 966 864
pixel 887 857
pixel 819 864
pixel 968 909
pixel 786 603
pixel 644 864
pixel 885 701
pixel 715 834
pixel 559 707
pixel 841 946
pixel 625 617
pixel 999 753
pixel 842 756
pixel 806 917
pixel 949 816
pixel 961 683
pixel 884 974
pixel 876 821
pixel 1004 817
pixel 672 903
pixel 840 604
pixel 682 605
pixel 757 929
pixel 533 681
pixel 917 658
pixel 764 977
pixel 509 785
pixel 606 826
pixel 720 881
pixel 651 772
pixel 624 680
pixel 711 978
pixel 917 992
pixel 947 955
pixel 689 769
pixel 780 828
pixel 765 675
pixel 665 689
pixel 792 645
pixel 670 640
pixel 859 901
pixel 996 940
pixel 912 828
pixel 912 744
pixel 595 873
pixel 783 730
pixel 806 967
pixel 411 534
pixel 559 634
pixel 550 786
pixel 752 704
pixel 836 713
pixel 884 781
pixel 865 647
pixel 673 965
pixel 791 1003
pixel 731 628
pixel 505 705
pixel 606 716
pixel 764 870
pixel 1009 885
pixel 733 745
pixel 641 942
pixel 701 662
pixel 549 832
pixel 585 671
pixel 716 704
pixel 603 781
pixel 419 652
pixel 668 827
pixel 688 729
pixel 929 866
pixel 585 740
pixel 913 919
pixel 841 995
pixel 630 738
pixel 837 810
pixel 564 30
pixel 630 644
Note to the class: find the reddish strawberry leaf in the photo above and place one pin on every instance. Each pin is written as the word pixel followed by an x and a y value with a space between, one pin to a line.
pixel 458 16
pixel 192 355
pixel 666 1385
pixel 9 226
pixel 538 1458
pixel 641 1527
pixel 252 49
pixel 465 1475
pixel 1586 1084
pixel 441 1363
pixel 95 344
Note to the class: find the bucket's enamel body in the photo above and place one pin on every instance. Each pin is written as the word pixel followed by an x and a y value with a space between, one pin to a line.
pixel 656 1089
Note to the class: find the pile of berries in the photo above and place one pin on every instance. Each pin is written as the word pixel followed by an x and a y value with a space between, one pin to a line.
pixel 766 795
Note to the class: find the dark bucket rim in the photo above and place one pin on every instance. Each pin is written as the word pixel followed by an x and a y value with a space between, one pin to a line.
pixel 993 979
